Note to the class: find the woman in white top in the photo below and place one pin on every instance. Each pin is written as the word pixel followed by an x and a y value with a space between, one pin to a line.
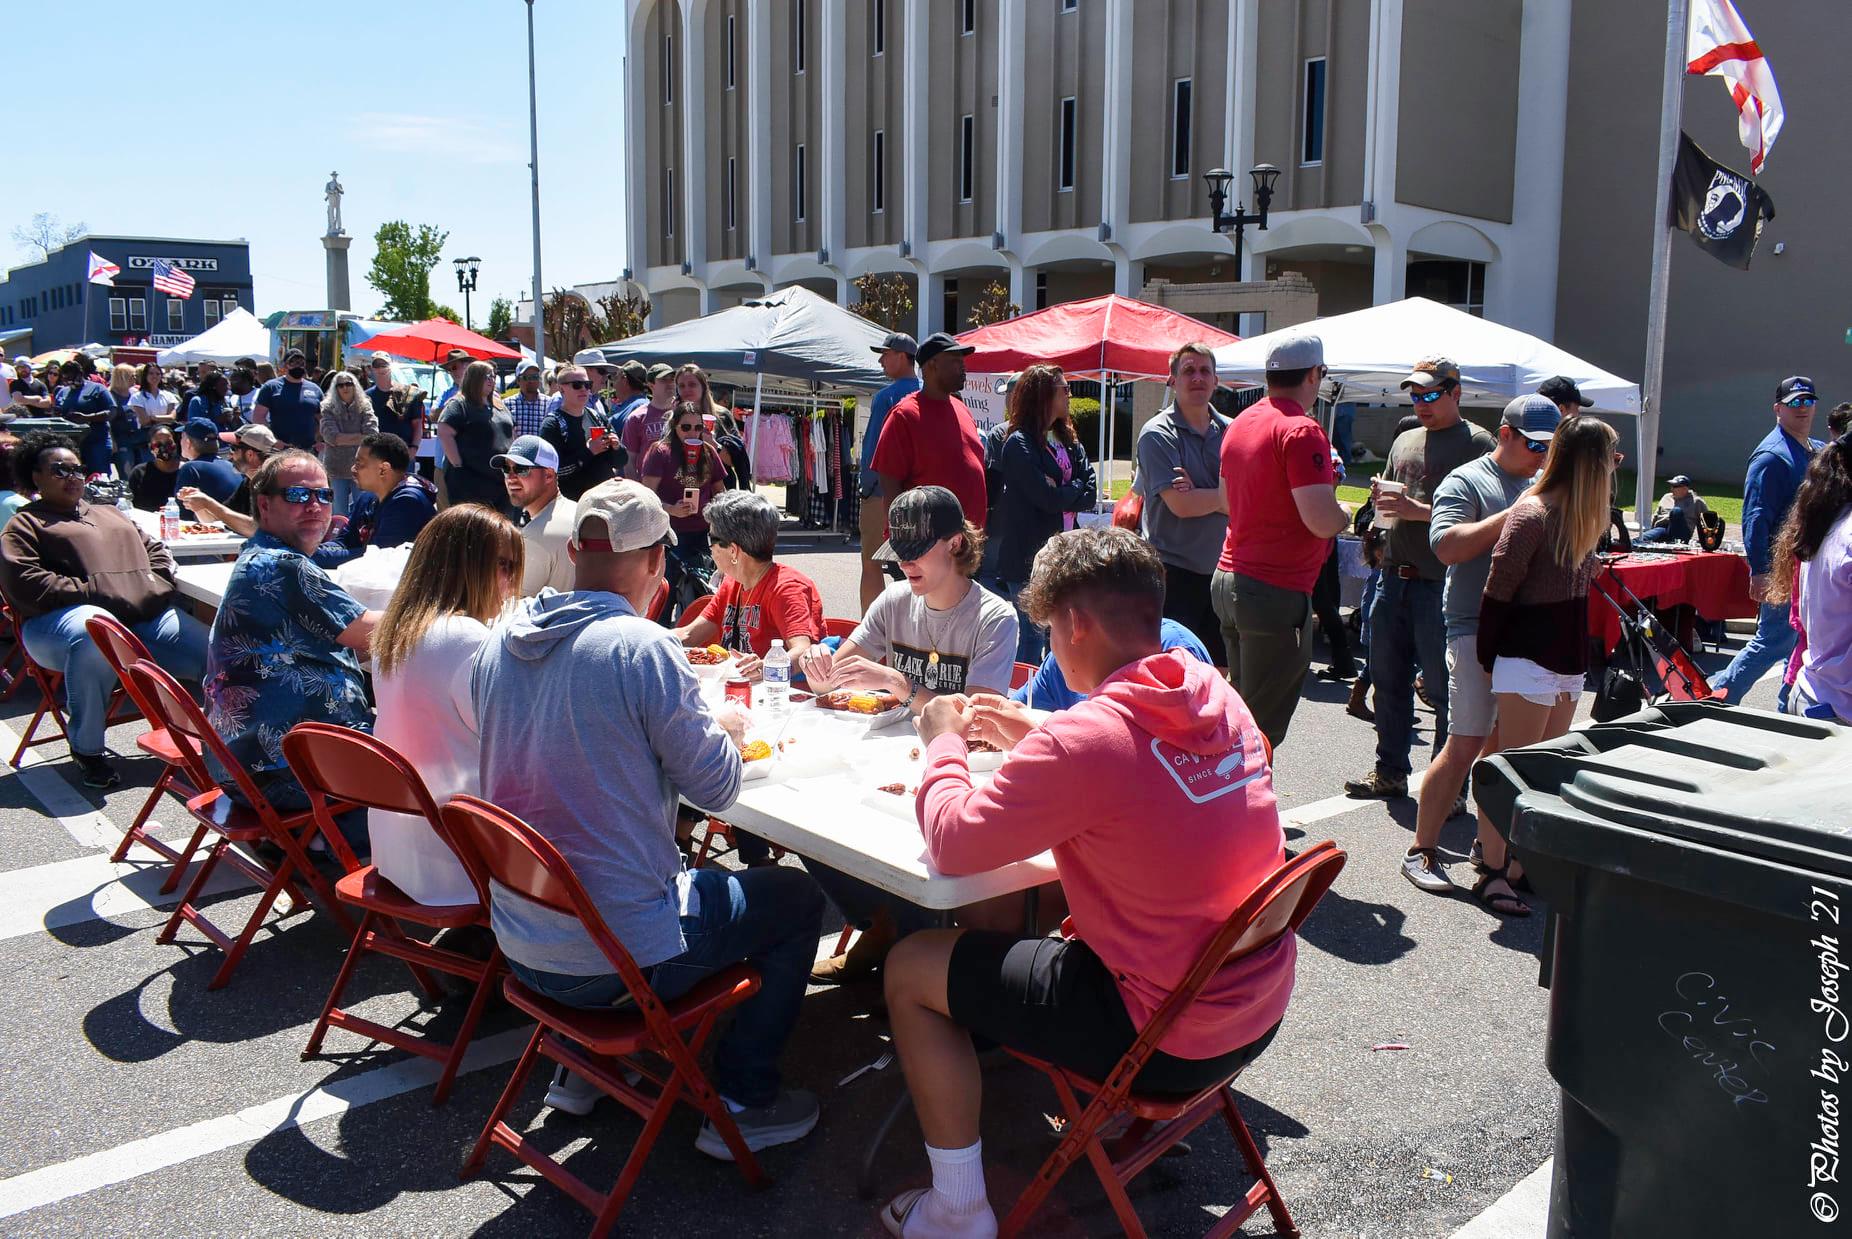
pixel 464 567
pixel 148 406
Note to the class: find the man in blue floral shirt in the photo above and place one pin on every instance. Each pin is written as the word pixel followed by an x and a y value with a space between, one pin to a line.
pixel 283 648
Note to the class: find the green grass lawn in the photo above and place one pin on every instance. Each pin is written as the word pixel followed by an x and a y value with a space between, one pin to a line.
pixel 1724 498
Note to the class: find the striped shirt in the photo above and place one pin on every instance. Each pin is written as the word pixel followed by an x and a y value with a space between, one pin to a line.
pixel 527 414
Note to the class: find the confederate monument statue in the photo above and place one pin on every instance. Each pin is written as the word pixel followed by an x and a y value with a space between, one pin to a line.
pixel 334 192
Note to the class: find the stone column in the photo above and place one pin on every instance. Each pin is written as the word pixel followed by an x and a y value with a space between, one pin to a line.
pixel 339 298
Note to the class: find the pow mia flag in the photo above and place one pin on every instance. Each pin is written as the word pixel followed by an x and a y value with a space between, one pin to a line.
pixel 1723 211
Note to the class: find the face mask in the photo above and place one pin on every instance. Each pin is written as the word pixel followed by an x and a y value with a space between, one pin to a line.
pixel 166 453
pixel 296 372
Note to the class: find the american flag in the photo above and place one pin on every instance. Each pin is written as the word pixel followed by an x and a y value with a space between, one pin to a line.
pixel 172 280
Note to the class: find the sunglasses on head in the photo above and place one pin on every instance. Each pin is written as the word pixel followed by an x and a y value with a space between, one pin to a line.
pixel 513 470
pixel 299 495
pixel 66 469
pixel 1427 397
pixel 575 384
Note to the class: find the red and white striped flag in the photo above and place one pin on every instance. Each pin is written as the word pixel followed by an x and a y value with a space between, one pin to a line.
pixel 171 280
pixel 1719 44
pixel 102 271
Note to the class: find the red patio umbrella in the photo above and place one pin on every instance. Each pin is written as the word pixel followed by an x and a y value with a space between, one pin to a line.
pixel 1098 336
pixel 432 339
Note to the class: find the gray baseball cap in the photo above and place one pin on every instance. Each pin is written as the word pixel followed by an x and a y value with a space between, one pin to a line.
pixel 1298 352
pixel 632 516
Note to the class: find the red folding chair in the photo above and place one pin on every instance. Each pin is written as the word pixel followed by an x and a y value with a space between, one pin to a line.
pixel 236 827
pixel 693 611
pixel 1276 908
pixel 1022 673
pixel 347 766
pixel 12 670
pixel 123 649
pixel 49 684
pixel 597 1045
pixel 840 627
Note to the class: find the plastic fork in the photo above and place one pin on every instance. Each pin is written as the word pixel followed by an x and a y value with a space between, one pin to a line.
pixel 886 1059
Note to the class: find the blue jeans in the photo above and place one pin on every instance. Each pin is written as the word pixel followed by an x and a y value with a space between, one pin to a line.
pixel 1772 643
pixel 1407 632
pixel 59 642
pixel 1031 641
pixel 343 495
pixel 770 917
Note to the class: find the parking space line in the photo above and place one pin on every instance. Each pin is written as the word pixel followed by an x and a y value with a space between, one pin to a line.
pixel 81 820
pixel 80 1175
pixel 88 888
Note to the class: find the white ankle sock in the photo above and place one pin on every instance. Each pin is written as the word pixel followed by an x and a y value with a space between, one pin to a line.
pixel 958 1178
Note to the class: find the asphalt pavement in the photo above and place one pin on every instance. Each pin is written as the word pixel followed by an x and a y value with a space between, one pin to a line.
pixel 136 1100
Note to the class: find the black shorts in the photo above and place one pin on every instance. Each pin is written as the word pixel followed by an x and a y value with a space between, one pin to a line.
pixel 1053 999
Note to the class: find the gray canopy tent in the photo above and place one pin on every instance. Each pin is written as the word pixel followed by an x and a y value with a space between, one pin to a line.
pixel 790 334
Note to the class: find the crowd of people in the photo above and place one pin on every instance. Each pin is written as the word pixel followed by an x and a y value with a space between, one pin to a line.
pixel 527 656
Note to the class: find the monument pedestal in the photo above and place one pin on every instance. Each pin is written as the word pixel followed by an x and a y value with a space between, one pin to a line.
pixel 338 297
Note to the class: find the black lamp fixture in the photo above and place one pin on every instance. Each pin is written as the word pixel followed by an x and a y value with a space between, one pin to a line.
pixel 1263 175
pixel 466 282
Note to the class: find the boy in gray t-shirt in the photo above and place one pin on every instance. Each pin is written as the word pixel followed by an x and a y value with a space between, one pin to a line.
pixel 969 647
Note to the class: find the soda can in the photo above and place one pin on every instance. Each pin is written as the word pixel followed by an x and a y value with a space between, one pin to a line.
pixel 739 689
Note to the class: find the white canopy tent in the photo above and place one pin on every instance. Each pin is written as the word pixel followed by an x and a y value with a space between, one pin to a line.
pixel 1371 351
pixel 238 334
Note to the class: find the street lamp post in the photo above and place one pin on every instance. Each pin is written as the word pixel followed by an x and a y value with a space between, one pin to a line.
pixel 466 282
pixel 1263 175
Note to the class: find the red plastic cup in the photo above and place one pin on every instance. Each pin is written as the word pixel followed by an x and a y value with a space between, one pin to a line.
pixel 596 433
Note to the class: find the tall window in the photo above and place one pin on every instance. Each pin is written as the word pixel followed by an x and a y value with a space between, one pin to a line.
pixel 1041 290
pixel 802 195
pixel 668 68
pixel 798 14
pixel 118 314
pixel 878 166
pixel 729 52
pixel 1069 120
pixel 1451 281
pixel 967 155
pixel 668 202
pixel 211 306
pixel 1312 149
pixel 1180 117
pixel 1068 6
pixel 138 315
pixel 967 17
pixel 732 192
pixel 879 25
pixel 950 305
pixel 176 316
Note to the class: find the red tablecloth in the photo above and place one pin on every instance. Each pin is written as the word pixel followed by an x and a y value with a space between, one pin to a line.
pixel 1714 585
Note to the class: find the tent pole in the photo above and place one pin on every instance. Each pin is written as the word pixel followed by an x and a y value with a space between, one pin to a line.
pixel 1106 436
pixel 752 448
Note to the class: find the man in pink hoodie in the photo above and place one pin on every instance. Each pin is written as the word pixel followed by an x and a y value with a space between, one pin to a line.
pixel 1155 796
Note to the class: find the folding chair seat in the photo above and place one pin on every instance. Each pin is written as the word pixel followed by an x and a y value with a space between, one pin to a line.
pixel 1157 1122
pixel 597 1045
pixel 236 829
pixel 123 649
pixel 345 766
pixel 49 684
pixel 12 670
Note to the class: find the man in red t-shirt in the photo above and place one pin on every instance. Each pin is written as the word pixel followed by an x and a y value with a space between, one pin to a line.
pixel 1283 512
pixel 929 438
pixel 759 600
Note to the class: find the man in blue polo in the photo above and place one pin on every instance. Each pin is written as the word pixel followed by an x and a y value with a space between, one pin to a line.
pixel 897 354
pixel 1776 469
pixel 292 405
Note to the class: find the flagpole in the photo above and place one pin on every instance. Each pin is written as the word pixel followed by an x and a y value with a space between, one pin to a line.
pixel 1652 377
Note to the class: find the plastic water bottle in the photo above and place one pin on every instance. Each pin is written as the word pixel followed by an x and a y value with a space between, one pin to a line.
pixel 776 674
pixel 122 503
pixel 170 520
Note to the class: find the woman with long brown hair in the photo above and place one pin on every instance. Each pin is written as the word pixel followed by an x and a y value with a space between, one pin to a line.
pixel 1047 482
pixel 1813 566
pixel 473 429
pixel 685 471
pixel 465 566
pixel 1533 619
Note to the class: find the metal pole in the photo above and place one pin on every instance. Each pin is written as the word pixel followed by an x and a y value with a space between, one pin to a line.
pixel 533 138
pixel 752 447
pixel 1658 290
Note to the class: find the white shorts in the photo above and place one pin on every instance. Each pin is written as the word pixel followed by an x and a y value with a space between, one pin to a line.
pixel 1471 708
pixel 1533 683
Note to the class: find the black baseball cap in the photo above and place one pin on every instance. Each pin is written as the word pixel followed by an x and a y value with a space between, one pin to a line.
pixel 1562 390
pixel 1683 479
pixel 897 340
pixel 917 520
pixel 939 342
pixel 1794 385
pixel 294 354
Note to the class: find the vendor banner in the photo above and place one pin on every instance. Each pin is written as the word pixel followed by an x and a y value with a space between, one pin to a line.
pixel 986 395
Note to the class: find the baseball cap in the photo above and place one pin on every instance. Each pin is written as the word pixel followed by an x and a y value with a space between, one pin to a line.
pixel 1683 479
pixel 897 340
pixel 636 372
pixel 632 516
pixel 939 342
pixel 380 359
pixel 1534 417
pixel 257 438
pixel 1296 353
pixel 1432 372
pixel 661 371
pixel 1562 390
pixel 529 450
pixel 525 366
pixel 22 360
pixel 917 519
pixel 203 429
pixel 1794 385
pixel 294 354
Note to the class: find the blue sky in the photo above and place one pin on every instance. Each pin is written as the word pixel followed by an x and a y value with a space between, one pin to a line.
pixel 241 110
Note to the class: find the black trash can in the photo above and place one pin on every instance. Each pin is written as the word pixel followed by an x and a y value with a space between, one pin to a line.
pixel 1698 866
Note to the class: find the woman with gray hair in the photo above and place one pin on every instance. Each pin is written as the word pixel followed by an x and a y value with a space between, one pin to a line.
pixel 347 418
pixel 759 600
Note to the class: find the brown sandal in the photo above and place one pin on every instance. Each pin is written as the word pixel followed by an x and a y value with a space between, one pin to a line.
pixel 1503 903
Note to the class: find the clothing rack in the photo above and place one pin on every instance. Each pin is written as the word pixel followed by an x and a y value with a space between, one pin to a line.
pixel 820 485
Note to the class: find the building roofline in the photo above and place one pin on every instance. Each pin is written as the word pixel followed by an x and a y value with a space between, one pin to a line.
pixel 89 237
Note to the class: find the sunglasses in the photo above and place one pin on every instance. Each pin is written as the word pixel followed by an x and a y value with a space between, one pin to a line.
pixel 1805 402
pixel 688 427
pixel 65 469
pixel 1533 445
pixel 576 384
pixel 509 468
pixel 300 495
pixel 1427 397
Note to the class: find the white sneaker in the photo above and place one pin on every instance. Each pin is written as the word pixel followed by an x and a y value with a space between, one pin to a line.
pixel 790 1116
pixel 572 1093
pixel 1421 866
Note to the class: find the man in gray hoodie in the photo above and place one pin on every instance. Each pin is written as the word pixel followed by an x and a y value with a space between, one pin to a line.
pixel 592 726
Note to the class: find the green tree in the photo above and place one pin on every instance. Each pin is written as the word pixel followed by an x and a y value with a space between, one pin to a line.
pixel 402 261
pixel 885 299
pixel 501 317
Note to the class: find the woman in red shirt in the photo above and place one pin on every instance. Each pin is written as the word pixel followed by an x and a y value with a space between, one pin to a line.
pixel 759 600
pixel 685 471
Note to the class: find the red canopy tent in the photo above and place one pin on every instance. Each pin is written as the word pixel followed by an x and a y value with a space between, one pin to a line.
pixel 1111 338
pixel 432 339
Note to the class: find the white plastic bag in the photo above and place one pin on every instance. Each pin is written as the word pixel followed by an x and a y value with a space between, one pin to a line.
pixel 372 578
